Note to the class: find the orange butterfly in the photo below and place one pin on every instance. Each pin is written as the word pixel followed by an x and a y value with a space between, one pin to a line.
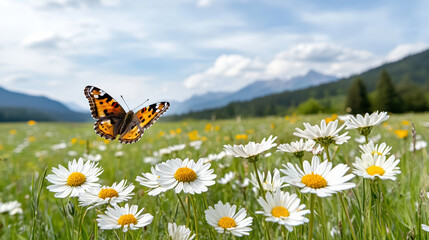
pixel 112 120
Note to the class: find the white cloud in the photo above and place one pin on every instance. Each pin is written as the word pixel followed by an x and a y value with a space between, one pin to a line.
pixel 73 3
pixel 204 3
pixel 228 72
pixel 328 58
pixel 405 50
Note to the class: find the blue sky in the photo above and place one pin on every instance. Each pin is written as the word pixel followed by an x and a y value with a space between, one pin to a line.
pixel 171 50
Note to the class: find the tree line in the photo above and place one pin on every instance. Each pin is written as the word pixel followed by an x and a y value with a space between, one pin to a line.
pixel 406 96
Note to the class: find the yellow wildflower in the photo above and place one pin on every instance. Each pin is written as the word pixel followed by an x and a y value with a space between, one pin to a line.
pixel 208 127
pixel 241 136
pixel 405 122
pixel 401 133
pixel 31 122
pixel 193 135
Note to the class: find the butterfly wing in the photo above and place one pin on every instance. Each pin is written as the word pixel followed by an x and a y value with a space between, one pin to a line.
pixel 105 128
pixel 106 110
pixel 102 105
pixel 142 120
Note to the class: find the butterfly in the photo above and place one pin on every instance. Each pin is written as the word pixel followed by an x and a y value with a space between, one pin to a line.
pixel 112 120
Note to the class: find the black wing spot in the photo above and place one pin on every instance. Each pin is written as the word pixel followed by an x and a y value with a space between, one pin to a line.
pixel 106 112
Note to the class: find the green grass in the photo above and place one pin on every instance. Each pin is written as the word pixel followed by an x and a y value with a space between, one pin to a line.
pixel 403 202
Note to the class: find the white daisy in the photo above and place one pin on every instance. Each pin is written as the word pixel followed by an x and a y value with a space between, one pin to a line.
pixel 72 153
pixel 344 117
pixel 372 149
pixel 223 218
pixel 176 148
pixel 150 160
pixel 150 180
pixel 269 183
pixel 365 123
pixel 214 157
pixel 12 207
pixel 325 134
pixel 79 177
pixel 185 175
pixel 162 151
pixel 179 232
pixel 284 209
pixel 117 193
pixel 196 144
pixel 227 178
pixel 318 178
pixel 251 149
pixel 361 139
pixel 127 218
pixel 243 184
pixel 371 166
pixel 297 148
pixel 425 227
pixel 119 154
pixel 419 145
pixel 102 147
pixel 92 157
pixel 316 151
pixel 59 146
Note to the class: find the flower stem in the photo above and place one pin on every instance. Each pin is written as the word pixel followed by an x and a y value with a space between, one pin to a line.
pixel 194 207
pixel 364 209
pixel 188 219
pixel 322 213
pixel 183 205
pixel 261 188
pixel 95 230
pixel 326 147
pixel 285 233
pixel 310 227
pixel 206 206
pixel 347 215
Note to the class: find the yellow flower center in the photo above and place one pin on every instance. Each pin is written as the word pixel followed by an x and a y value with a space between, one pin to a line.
pixel 127 219
pixel 76 179
pixel 376 152
pixel 185 174
pixel 314 181
pixel 107 193
pixel 280 212
pixel 226 222
pixel 375 170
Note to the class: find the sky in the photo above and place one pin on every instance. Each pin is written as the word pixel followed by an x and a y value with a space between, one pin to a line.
pixel 173 49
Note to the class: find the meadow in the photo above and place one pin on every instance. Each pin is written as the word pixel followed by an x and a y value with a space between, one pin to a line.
pixel 29 151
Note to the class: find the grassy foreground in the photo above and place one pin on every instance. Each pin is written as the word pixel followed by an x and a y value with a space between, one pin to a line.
pixel 26 149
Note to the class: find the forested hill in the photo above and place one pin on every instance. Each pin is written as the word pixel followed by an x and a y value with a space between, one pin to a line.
pixel 16 106
pixel 414 69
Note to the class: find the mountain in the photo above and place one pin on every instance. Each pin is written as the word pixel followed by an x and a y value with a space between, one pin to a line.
pixel 413 68
pixel 16 106
pixel 75 107
pixel 256 89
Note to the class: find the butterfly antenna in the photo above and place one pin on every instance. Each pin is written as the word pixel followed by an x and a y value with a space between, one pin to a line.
pixel 125 102
pixel 141 104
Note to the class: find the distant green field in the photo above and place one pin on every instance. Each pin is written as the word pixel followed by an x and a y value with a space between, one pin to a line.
pixel 26 150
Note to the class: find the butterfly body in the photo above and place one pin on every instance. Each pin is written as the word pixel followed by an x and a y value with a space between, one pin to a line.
pixel 113 121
